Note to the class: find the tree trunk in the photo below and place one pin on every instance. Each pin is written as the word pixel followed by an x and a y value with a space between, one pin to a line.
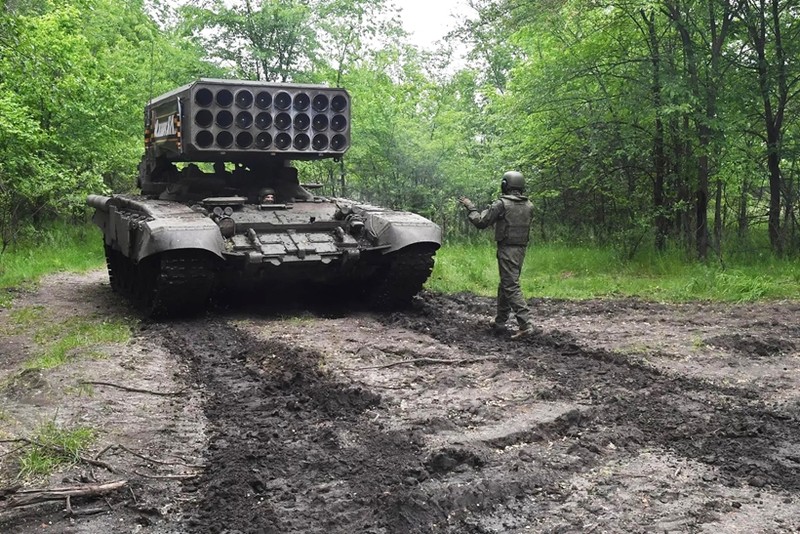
pixel 659 159
pixel 702 130
pixel 718 217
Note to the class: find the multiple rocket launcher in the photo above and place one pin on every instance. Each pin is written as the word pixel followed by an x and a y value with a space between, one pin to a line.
pixel 211 120
pixel 192 233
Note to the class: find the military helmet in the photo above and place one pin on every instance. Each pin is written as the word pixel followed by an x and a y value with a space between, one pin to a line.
pixel 512 181
pixel 266 195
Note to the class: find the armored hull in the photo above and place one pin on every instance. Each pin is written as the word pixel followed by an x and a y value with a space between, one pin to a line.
pixel 169 257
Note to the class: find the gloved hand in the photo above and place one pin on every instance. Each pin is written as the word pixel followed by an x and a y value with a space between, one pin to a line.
pixel 467 203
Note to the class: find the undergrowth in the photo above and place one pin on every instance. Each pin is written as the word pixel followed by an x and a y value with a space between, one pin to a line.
pixel 61 341
pixel 58 247
pixel 569 272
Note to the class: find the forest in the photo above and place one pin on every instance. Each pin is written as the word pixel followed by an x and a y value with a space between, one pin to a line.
pixel 661 124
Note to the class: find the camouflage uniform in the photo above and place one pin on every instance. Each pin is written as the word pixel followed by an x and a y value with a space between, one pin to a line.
pixel 511 215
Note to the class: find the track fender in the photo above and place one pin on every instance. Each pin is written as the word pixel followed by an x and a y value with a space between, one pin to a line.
pixel 398 229
pixel 141 228
pixel 165 234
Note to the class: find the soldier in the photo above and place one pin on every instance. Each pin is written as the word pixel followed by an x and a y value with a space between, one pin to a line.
pixel 266 195
pixel 511 216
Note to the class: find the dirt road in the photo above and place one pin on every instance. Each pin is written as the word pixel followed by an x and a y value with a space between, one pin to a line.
pixel 617 416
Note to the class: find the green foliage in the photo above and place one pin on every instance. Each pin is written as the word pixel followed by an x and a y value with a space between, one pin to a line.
pixel 293 40
pixel 52 447
pixel 73 80
pixel 263 40
pixel 58 339
pixel 465 267
pixel 626 118
pixel 24 318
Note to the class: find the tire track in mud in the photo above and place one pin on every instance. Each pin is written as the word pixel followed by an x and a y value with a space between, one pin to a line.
pixel 297 449
pixel 633 406
pixel 291 451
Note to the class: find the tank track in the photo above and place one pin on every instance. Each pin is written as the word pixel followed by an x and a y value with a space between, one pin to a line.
pixel 401 278
pixel 173 283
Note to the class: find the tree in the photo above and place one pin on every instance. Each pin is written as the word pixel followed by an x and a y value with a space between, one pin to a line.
pixel 74 77
pixel 772 29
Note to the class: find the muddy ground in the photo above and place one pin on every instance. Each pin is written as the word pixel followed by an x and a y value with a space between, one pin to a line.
pixel 616 416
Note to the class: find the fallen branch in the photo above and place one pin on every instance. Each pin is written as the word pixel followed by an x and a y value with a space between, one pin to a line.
pixel 162 462
pixel 90 511
pixel 28 497
pixel 166 477
pixel 425 360
pixel 134 390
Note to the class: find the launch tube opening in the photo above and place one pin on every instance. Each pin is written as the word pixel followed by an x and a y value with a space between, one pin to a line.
pixel 244 119
pixel 224 98
pixel 321 102
pixel 224 139
pixel 244 98
pixel 338 123
pixel 263 100
pixel 203 97
pixel 204 139
pixel 301 101
pixel 301 142
pixel 204 118
pixel 263 120
pixel 263 140
pixel 339 103
pixel 283 121
pixel 320 142
pixel 339 142
pixel 283 100
pixel 301 121
pixel 224 119
pixel 283 141
pixel 244 140
pixel 320 123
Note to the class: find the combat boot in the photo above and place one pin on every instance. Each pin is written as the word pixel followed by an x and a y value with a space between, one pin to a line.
pixel 522 333
pixel 497 326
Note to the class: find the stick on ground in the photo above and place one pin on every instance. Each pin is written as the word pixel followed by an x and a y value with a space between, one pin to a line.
pixel 425 360
pixel 28 497
pixel 135 390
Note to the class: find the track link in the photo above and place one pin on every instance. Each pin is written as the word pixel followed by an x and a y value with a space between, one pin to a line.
pixel 173 283
pixel 401 278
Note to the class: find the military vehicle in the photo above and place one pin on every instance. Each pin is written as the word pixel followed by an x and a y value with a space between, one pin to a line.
pixel 250 223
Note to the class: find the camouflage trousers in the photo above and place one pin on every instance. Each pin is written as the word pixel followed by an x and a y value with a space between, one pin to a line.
pixel 509 294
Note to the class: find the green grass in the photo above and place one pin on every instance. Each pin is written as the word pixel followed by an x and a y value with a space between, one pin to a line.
pixel 23 318
pixel 555 271
pixel 61 341
pixel 53 447
pixel 59 247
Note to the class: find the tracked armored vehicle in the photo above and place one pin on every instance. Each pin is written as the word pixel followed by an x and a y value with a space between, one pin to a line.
pixel 250 223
